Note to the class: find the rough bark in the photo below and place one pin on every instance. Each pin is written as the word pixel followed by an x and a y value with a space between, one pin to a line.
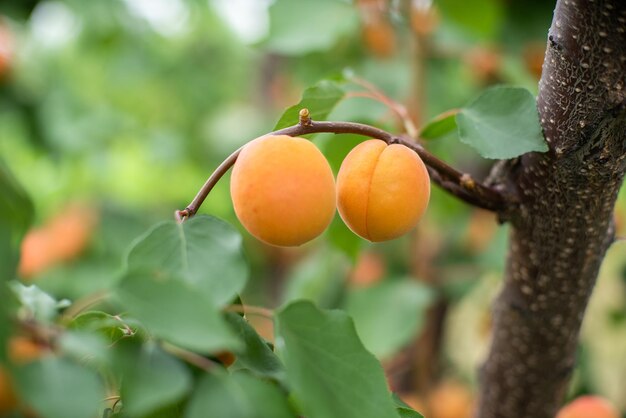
pixel 562 225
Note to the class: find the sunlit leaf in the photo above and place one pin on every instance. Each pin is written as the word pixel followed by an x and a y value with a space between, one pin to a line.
pixel 440 126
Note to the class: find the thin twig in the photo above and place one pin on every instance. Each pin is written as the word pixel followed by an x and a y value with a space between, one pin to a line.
pixel 399 109
pixel 252 310
pixel 81 304
pixel 189 356
pixel 459 184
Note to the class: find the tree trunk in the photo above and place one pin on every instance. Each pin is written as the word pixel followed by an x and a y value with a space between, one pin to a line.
pixel 562 224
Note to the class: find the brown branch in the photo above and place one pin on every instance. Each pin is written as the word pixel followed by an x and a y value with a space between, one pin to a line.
pixel 459 184
pixel 397 108
pixel 563 224
pixel 190 357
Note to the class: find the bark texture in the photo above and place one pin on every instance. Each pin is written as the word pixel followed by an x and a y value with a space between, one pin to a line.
pixel 562 224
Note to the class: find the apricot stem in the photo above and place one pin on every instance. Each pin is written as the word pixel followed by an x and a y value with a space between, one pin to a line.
pixel 460 185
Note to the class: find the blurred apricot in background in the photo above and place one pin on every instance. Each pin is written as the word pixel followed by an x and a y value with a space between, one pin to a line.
pixel 61 239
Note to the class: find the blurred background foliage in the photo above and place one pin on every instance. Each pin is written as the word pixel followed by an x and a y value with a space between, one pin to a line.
pixel 114 112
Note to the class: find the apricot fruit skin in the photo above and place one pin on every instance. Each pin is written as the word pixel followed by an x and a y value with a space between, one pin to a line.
pixel 283 190
pixel 382 190
pixel 588 406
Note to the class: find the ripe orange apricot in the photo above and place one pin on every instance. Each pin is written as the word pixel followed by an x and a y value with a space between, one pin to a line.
pixel 24 350
pixel 8 399
pixel 588 407
pixel 382 190
pixel 283 190
pixel 61 239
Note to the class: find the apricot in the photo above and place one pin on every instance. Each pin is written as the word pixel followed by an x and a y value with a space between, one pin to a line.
pixel 382 190
pixel 61 239
pixel 451 399
pixel 23 350
pixel 8 398
pixel 588 407
pixel 6 49
pixel 283 190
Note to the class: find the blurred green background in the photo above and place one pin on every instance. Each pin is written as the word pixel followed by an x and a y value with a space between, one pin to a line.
pixel 114 112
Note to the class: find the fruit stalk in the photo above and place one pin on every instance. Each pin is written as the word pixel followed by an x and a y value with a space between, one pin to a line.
pixel 459 184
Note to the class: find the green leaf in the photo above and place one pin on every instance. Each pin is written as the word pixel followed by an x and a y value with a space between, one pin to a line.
pixel 298 27
pixel 331 373
pixel 84 346
pixel 255 354
pixel 174 309
pixel 336 147
pixel 237 396
pixel 342 238
pixel 383 330
pixel 319 278
pixel 441 125
pixel 404 410
pixel 204 251
pixel 59 388
pixel 110 327
pixel 155 380
pixel 16 215
pixel 319 99
pixel 37 303
pixel 502 123
pixel 480 18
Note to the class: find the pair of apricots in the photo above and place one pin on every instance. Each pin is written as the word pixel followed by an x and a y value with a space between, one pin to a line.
pixel 284 192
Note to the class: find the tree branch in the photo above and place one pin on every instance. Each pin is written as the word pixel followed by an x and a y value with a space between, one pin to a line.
pixel 563 223
pixel 459 184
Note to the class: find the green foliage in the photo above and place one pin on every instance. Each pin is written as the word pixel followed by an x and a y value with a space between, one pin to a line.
pixel 404 410
pixel 45 385
pixel 440 126
pixel 384 331
pixel 152 379
pixel 319 99
pixel 502 123
pixel 255 355
pixel 203 252
pixel 130 119
pixel 481 19
pixel 295 25
pixel 237 395
pixel 331 373
pixel 319 279
pixel 16 215
pixel 173 309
